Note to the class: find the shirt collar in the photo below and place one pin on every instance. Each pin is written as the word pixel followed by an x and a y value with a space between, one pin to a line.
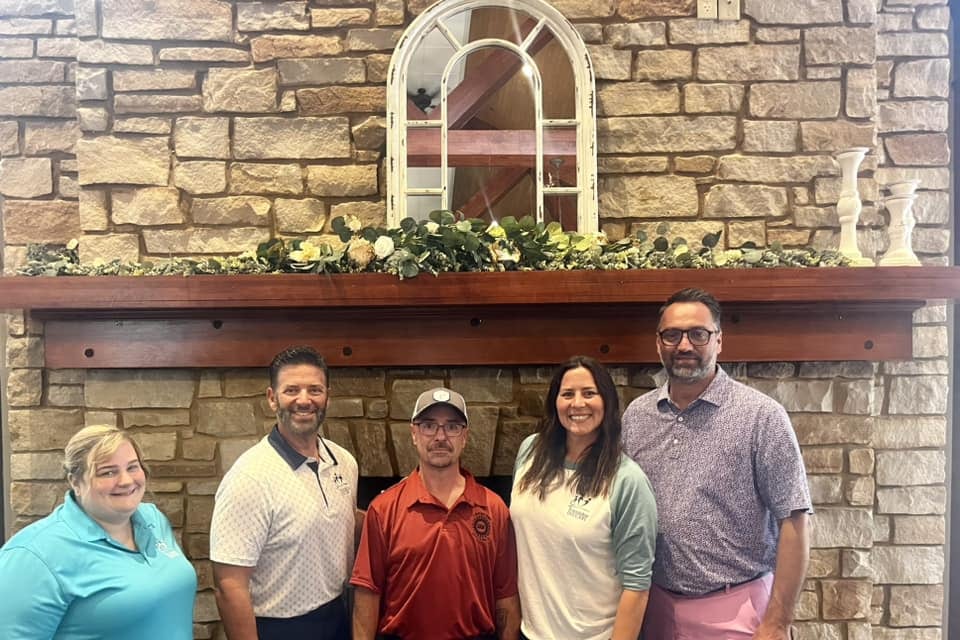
pixel 416 492
pixel 715 393
pixel 290 455
pixel 88 530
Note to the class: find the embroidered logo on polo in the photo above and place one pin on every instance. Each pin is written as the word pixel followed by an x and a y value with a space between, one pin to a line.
pixel 340 483
pixel 163 548
pixel 578 507
pixel 481 525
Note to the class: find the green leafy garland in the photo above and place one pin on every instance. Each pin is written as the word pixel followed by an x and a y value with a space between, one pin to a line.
pixel 443 243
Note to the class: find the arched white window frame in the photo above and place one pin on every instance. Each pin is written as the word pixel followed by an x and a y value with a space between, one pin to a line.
pixel 584 119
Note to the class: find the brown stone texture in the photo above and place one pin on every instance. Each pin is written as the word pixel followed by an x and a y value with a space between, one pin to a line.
pixel 154 79
pixel 913 115
pixel 147 207
pixel 124 247
pixel 40 221
pixel 574 9
pixel 748 63
pixel 273 47
pixel 610 63
pixel 200 176
pixel 26 177
pixel 638 9
pixel 203 54
pixel 918 149
pixel 699 32
pixel 638 34
pixel 45 137
pixel 370 214
pixel 735 201
pixel 45 101
pixel 647 196
pixel 342 180
pixel 712 98
pixel 667 133
pixel 766 169
pixel 846 599
pixel 280 179
pixel 112 159
pixel 313 71
pixel 269 138
pixel 795 100
pixel 202 137
pixel 167 19
pixel 331 18
pixel 267 16
pixel 835 136
pixel 339 100
pixel 922 78
pixel 800 12
pixel 839 45
pixel 240 90
pixel 101 52
pixel 637 98
pixel 231 210
pixel 372 39
pixel 668 64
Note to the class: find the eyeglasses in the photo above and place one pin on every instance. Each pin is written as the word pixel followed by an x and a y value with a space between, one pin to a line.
pixel 698 336
pixel 429 428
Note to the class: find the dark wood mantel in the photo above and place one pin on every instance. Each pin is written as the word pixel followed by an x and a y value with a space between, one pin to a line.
pixel 469 318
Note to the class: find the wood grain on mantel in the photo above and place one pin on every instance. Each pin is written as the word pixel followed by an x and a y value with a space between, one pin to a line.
pixel 506 318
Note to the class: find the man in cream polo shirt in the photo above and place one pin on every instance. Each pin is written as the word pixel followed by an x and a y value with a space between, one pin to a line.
pixel 285 519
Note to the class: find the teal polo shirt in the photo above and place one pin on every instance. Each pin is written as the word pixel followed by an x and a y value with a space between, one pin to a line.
pixel 64 578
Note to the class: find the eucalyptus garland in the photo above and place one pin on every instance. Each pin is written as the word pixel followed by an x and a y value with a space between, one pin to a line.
pixel 443 243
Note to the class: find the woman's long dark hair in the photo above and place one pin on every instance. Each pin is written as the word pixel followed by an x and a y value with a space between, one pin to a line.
pixel 598 465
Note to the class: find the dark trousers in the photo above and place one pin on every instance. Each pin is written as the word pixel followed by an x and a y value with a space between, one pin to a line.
pixel 328 622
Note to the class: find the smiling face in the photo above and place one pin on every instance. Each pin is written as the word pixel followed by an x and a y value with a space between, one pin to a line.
pixel 685 362
pixel 439 450
pixel 299 400
pixel 580 405
pixel 112 488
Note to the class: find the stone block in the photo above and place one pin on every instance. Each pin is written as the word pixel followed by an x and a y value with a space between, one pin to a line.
pixel 772 169
pixel 200 177
pixel 823 563
pixel 908 565
pixel 332 18
pixel 359 382
pixel 637 98
pixel 199 513
pixel 9 139
pixel 24 387
pixel 801 12
pixel 39 101
pixel 373 455
pixel 202 137
pixel 101 52
pixel 912 500
pixel 345 408
pixel 842 527
pixel 694 164
pixel 158 446
pixel 42 429
pixel 31 71
pixel 93 119
pixel 913 115
pixel 916 606
pixel 669 134
pixel 610 63
pixel 699 32
pixel 846 599
pixel 861 461
pixel 201 241
pixel 861 93
pixel 124 247
pixel 825 489
pixel 40 221
pixel 795 100
pixel 746 63
pixel 483 384
pixel 25 26
pixel 770 135
pixel 631 164
pixel 905 634
pixel 37 466
pixel 839 45
pixel 636 34
pixel 203 54
pixel 267 138
pixel 272 16
pixel 860 491
pixel 199 448
pixel 857 397
pixel 327 101
pixel 281 179
pixel 668 64
pixel 167 19
pixel 240 90
pixel 45 137
pixel 272 47
pixel 931 178
pixel 93 210
pixel 635 9
pixel 919 395
pixel 231 210
pixel 26 177
pixel 36 498
pixel 112 159
pixel 57 48
pixel 739 201
pixel 226 418
pixel 314 71
pixel 647 196
pixel 823 459
pixel 918 149
pixel 342 180
pixel 917 45
pixel 477 455
pixel 809 396
pixel 140 388
pixel 578 9
pixel 147 207
pixel 836 136
pixel 712 98
pixel 777 34
pixel 899 468
pixel 930 342
pixel 922 78
pixel 856 564
pixel 306 215
pixel 739 233
pixel 155 103
pixel 154 80
pixel 373 39
pixel 919 530
pixel 403 395
pixel 232 449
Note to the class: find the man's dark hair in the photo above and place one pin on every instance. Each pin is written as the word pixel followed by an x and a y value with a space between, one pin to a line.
pixel 297 355
pixel 692 294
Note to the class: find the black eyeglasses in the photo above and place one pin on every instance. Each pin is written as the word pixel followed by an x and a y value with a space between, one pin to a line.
pixel 429 428
pixel 698 336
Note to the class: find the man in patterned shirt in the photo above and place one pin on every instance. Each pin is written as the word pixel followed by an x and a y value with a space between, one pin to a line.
pixel 285 518
pixel 732 495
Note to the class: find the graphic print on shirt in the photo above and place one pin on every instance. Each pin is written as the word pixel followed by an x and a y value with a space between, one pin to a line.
pixel 578 507
pixel 481 525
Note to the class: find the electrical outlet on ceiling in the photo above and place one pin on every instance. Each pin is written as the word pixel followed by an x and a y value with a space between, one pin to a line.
pixel 707 9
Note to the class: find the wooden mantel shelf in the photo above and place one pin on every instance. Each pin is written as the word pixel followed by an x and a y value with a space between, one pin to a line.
pixel 469 318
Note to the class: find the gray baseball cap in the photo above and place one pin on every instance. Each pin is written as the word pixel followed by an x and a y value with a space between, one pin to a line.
pixel 440 395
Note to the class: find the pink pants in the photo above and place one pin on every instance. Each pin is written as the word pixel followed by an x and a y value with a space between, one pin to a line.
pixel 731 614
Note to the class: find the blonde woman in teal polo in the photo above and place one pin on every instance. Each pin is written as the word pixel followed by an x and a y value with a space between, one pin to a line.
pixel 103 564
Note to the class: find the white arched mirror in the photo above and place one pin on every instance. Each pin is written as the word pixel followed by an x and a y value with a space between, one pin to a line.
pixel 491 112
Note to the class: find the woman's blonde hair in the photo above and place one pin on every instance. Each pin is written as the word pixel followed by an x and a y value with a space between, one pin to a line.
pixel 92 444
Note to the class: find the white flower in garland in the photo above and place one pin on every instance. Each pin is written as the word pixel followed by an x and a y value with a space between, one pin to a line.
pixel 383 247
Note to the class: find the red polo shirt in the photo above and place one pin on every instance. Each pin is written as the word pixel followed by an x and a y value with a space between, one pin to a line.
pixel 438 571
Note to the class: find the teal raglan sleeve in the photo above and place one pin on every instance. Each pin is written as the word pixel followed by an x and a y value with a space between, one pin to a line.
pixel 32 600
pixel 634 526
pixel 522 454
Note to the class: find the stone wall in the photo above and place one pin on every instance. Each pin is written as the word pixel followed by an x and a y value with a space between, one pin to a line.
pixel 198 127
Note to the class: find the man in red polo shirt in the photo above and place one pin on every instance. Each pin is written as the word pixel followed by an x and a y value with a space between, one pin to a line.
pixel 437 558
